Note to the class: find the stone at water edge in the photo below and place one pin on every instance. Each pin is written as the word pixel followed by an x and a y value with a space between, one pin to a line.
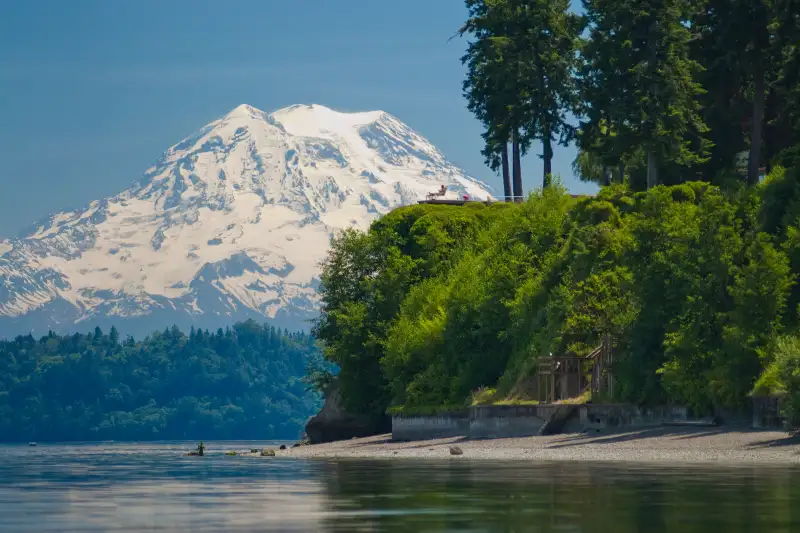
pixel 455 450
pixel 283 447
pixel 267 453
pixel 333 423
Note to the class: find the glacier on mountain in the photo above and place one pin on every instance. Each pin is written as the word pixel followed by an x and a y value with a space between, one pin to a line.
pixel 230 223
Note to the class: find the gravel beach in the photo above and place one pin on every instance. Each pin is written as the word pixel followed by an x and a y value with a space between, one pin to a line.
pixel 664 444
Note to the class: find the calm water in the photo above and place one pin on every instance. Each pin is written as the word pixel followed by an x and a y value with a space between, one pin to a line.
pixel 152 487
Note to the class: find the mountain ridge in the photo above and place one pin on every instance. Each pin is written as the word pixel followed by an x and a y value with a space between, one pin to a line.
pixel 229 224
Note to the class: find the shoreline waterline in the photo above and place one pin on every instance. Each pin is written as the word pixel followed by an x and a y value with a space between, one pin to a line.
pixel 715 445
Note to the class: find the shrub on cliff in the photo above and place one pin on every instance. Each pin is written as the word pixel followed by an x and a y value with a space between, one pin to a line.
pixel 367 276
pixel 782 376
pixel 691 283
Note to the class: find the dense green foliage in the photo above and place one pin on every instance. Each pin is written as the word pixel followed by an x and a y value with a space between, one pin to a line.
pixel 782 376
pixel 696 288
pixel 246 382
pixel 664 91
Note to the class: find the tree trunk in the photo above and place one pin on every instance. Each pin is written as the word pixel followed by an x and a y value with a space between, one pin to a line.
pixel 757 128
pixel 506 174
pixel 517 166
pixel 652 166
pixel 547 144
pixel 622 172
pixel 652 170
pixel 606 176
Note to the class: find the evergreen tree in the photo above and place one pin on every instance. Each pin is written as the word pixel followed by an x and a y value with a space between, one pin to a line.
pixel 603 140
pixel 593 166
pixel 782 112
pixel 737 43
pixel 495 153
pixel 517 149
pixel 643 47
pixel 520 79
pixel 546 40
pixel 493 86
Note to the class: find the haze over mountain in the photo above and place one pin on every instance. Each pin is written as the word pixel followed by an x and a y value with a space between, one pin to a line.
pixel 229 224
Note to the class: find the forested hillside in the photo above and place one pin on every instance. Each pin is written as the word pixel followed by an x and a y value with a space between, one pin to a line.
pixel 246 382
pixel 687 114
pixel 695 286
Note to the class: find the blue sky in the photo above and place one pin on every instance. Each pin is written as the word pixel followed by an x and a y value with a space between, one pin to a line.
pixel 94 91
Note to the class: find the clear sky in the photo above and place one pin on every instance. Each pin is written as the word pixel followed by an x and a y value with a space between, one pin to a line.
pixel 93 91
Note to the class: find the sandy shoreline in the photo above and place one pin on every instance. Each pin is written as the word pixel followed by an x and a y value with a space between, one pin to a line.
pixel 664 444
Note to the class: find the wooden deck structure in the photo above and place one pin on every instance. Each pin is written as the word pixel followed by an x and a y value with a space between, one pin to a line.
pixel 569 376
pixel 454 202
pixel 441 201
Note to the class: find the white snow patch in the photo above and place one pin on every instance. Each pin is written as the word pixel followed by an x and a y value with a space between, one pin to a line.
pixel 269 189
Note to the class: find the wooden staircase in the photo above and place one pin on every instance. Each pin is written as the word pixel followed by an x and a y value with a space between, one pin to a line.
pixel 564 377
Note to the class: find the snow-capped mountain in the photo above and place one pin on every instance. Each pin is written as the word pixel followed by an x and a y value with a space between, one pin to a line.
pixel 231 223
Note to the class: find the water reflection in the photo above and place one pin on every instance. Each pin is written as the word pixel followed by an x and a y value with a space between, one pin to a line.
pixel 154 488
pixel 580 497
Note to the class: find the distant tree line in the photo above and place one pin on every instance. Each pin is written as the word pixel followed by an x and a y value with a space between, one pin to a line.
pixel 247 381
pixel 652 91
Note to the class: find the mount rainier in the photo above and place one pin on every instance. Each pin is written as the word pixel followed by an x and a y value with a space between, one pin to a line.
pixel 231 223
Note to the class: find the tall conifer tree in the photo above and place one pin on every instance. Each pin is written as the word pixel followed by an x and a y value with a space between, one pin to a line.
pixel 650 100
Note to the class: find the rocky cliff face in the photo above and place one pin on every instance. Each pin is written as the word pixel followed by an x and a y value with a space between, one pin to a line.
pixel 333 423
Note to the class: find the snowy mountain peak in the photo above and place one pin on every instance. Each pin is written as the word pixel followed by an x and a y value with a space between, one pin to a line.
pixel 244 111
pixel 230 223
pixel 319 121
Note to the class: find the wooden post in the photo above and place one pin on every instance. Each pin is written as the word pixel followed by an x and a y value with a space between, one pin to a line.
pixel 610 376
pixel 540 386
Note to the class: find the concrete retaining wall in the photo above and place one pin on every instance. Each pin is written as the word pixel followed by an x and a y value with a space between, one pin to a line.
pixel 499 421
pixel 630 416
pixel 455 424
pixel 767 413
pixel 508 421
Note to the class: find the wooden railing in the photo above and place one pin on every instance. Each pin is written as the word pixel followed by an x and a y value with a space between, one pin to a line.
pixel 434 195
pixel 602 358
pixel 559 378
